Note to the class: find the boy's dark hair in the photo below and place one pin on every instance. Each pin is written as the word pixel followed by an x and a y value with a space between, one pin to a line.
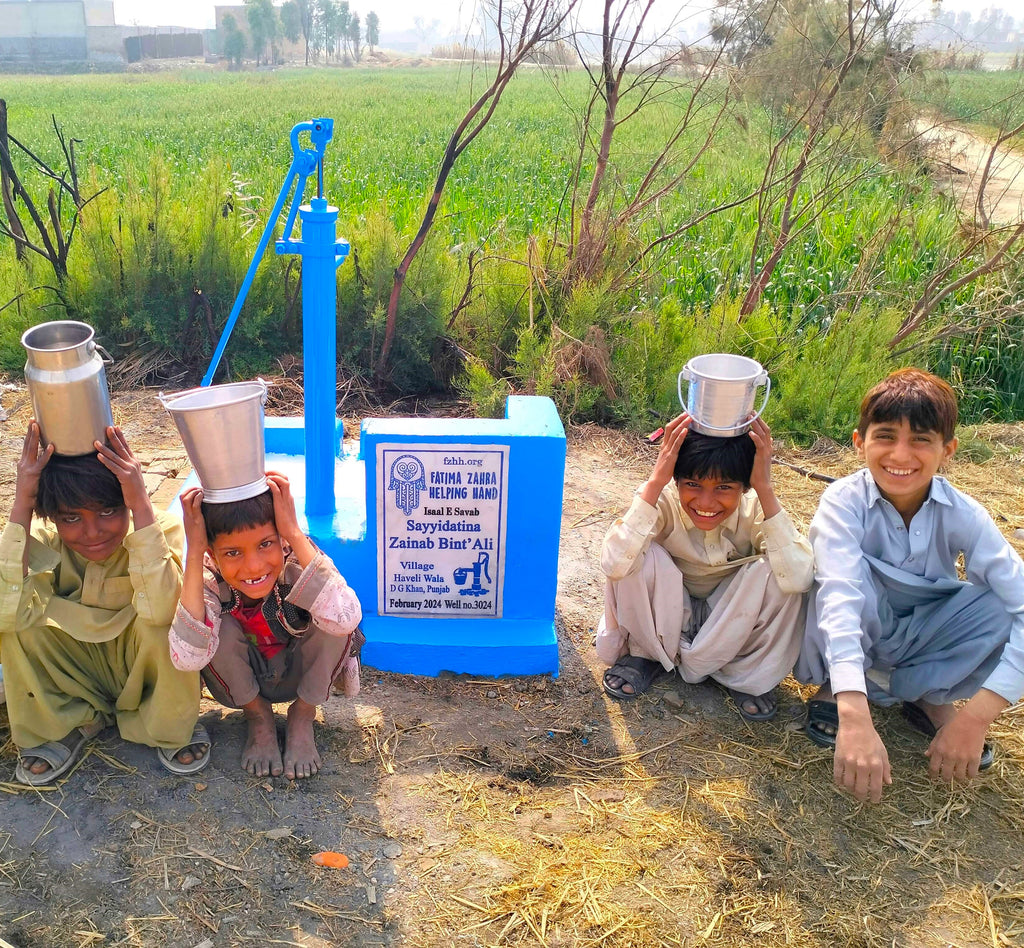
pixel 71 483
pixel 238 515
pixel 701 455
pixel 927 402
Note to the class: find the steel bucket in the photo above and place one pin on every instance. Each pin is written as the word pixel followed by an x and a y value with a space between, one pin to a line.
pixel 221 427
pixel 67 383
pixel 721 394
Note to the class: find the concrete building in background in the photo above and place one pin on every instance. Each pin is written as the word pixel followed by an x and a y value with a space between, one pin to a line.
pixel 46 33
pixel 46 30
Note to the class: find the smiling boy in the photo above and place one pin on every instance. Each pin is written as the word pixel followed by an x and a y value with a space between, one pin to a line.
pixel 890 620
pixel 87 592
pixel 705 573
pixel 268 618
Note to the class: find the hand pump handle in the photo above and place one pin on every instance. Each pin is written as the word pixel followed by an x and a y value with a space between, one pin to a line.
pixel 304 162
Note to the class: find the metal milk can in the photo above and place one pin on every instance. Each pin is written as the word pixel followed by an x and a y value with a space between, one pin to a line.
pixel 722 390
pixel 67 382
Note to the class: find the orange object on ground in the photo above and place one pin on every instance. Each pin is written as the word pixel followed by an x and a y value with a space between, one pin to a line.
pixel 330 860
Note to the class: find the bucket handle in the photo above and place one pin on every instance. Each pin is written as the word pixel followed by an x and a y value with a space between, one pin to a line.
pixel 107 358
pixel 166 401
pixel 767 389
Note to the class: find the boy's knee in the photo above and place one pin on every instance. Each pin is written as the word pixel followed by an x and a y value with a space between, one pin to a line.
pixel 655 559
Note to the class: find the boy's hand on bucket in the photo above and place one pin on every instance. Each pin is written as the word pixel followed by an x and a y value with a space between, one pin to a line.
pixel 286 520
pixel 117 457
pixel 761 472
pixel 30 465
pixel 195 526
pixel 675 434
pixel 664 467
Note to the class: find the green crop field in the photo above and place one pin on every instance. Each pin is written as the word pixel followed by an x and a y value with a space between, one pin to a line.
pixel 993 99
pixel 192 163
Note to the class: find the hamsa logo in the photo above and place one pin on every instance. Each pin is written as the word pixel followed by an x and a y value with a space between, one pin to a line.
pixel 408 478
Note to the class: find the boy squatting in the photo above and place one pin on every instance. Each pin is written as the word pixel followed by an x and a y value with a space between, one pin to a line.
pixel 267 617
pixel 705 573
pixel 85 603
pixel 889 620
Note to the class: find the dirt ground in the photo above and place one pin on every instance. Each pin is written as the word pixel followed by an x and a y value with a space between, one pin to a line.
pixel 523 811
pixel 964 159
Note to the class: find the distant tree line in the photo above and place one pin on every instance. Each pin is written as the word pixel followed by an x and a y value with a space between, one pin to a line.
pixel 330 30
pixel 990 28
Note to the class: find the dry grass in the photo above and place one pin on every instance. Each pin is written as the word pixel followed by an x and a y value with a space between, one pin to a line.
pixel 539 812
pixel 705 840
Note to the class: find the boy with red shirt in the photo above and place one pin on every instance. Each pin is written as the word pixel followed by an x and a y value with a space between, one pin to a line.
pixel 268 618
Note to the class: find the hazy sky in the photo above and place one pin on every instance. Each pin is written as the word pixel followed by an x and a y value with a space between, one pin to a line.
pixel 401 14
pixel 394 14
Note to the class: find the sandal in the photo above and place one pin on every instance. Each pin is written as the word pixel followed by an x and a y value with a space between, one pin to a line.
pixel 741 696
pixel 61 755
pixel 822 714
pixel 169 758
pixel 918 719
pixel 639 673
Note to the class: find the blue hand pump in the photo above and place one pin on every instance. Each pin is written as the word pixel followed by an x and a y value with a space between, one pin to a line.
pixel 322 253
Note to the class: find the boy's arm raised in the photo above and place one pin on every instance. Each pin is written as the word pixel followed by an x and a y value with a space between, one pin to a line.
pixel 192 598
pixel 761 473
pixel 118 458
pixel 30 466
pixel 664 466
pixel 630 534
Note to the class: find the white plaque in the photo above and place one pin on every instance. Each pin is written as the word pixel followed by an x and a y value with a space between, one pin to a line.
pixel 441 529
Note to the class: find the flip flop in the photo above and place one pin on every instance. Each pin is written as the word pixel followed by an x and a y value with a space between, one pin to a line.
pixel 918 719
pixel 639 673
pixel 61 755
pixel 822 713
pixel 169 760
pixel 740 696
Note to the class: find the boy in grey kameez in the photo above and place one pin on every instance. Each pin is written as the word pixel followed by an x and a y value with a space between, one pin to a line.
pixel 890 621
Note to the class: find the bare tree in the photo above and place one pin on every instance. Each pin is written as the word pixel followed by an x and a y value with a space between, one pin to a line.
pixel 816 123
pixel 1004 248
pixel 1004 136
pixel 52 234
pixel 521 28
pixel 637 67
pixel 993 245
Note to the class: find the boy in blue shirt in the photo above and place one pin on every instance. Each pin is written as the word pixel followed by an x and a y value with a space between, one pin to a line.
pixel 889 620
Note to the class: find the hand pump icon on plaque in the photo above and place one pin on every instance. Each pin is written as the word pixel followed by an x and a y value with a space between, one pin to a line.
pixel 461 574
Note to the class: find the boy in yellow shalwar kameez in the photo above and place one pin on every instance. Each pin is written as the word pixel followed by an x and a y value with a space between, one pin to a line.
pixel 85 604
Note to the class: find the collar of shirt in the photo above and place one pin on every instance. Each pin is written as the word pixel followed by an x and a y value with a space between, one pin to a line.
pixel 939 490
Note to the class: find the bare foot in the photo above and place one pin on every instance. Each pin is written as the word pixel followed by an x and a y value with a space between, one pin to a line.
pixel 261 756
pixel 301 758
